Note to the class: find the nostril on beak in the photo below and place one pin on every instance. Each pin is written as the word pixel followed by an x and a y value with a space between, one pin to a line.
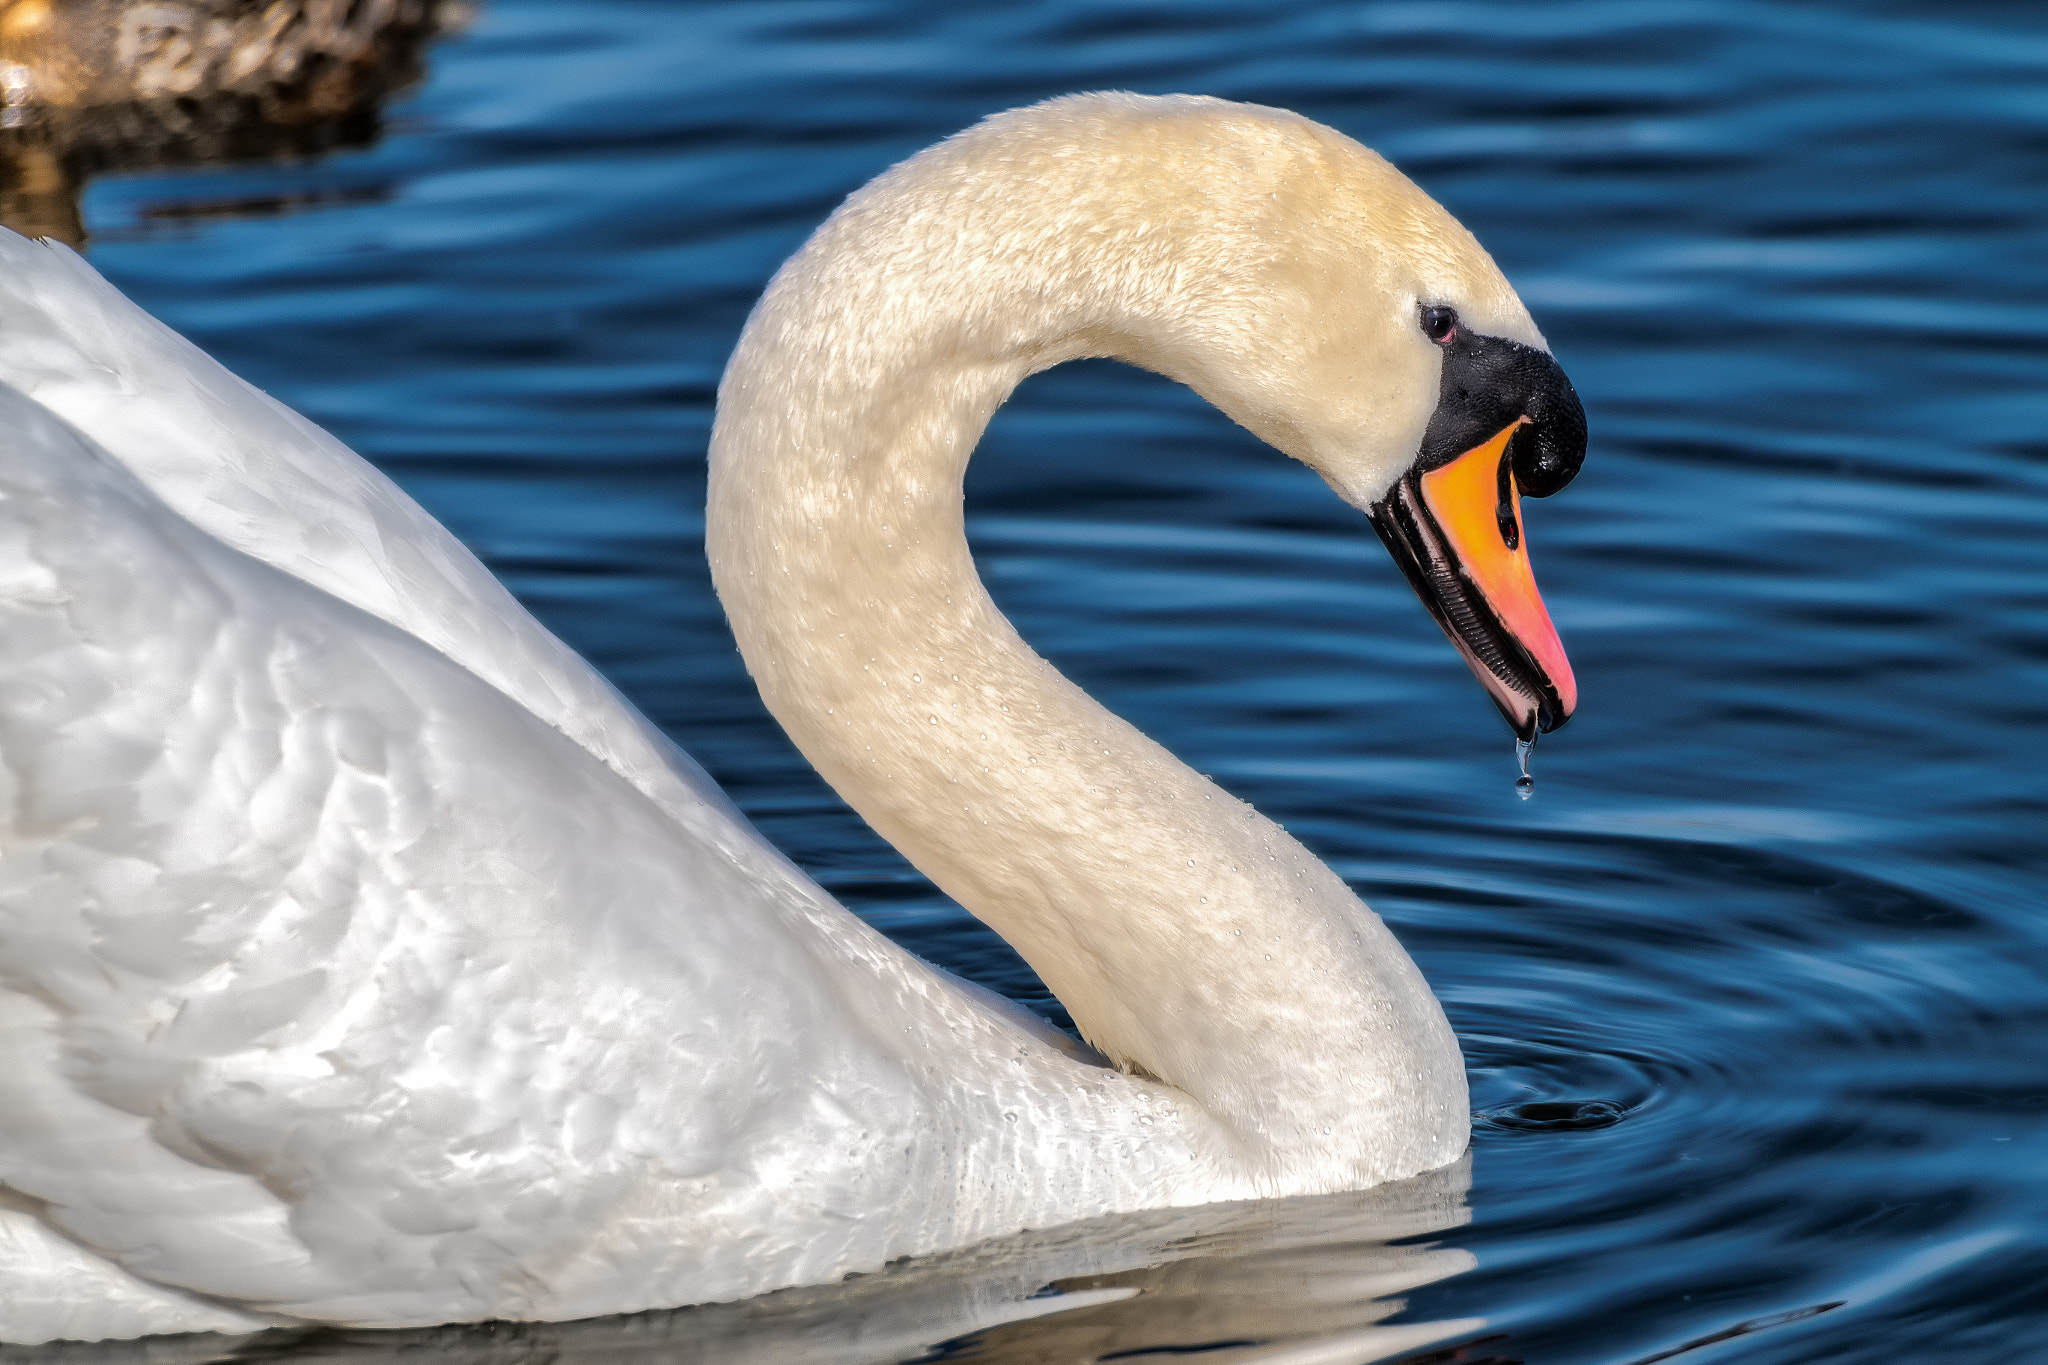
pixel 1504 501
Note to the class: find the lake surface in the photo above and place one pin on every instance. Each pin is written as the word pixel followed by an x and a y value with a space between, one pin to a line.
pixel 1752 992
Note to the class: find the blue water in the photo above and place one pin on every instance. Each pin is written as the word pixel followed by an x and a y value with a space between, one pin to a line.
pixel 1752 992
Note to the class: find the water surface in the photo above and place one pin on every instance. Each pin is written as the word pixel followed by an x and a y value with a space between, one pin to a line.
pixel 1752 991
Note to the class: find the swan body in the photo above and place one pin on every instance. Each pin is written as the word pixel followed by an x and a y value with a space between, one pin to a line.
pixel 365 958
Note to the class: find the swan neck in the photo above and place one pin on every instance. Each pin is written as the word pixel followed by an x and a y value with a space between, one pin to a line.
pixel 1190 938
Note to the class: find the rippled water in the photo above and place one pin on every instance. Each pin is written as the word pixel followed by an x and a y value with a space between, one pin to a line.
pixel 1752 992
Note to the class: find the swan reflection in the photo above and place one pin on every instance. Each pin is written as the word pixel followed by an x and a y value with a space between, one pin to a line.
pixel 89 87
pixel 1296 1280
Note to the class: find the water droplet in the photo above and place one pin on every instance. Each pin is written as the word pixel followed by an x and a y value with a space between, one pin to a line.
pixel 1525 785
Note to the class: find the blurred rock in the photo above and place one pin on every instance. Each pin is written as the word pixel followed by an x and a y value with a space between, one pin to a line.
pixel 92 86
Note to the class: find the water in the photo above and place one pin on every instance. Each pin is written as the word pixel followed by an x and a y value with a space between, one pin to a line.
pixel 1525 785
pixel 1752 998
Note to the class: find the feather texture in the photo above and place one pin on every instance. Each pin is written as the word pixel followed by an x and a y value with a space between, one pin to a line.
pixel 365 958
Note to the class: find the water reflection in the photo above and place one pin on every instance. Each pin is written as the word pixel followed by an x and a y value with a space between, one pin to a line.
pixel 1299 1280
pixel 94 86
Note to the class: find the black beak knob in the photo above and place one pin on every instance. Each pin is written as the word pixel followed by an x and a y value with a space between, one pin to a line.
pixel 1547 453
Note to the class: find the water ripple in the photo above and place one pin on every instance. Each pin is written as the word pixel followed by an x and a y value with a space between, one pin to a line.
pixel 1751 992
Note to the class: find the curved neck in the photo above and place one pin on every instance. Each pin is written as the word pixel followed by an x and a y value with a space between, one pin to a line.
pixel 1189 937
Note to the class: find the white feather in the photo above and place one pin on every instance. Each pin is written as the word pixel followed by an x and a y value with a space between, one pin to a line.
pixel 365 958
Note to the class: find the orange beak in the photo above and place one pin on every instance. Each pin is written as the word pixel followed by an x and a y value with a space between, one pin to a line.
pixel 1456 531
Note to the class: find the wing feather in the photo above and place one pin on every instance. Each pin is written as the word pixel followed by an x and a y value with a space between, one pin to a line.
pixel 342 985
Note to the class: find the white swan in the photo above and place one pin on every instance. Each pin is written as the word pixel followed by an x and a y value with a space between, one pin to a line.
pixel 365 958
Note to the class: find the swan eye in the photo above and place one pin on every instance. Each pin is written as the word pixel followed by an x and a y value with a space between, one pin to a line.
pixel 1440 324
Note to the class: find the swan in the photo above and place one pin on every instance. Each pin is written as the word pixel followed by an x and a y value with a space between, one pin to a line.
pixel 365 958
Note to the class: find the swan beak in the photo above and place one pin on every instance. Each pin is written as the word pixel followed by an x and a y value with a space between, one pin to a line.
pixel 1456 532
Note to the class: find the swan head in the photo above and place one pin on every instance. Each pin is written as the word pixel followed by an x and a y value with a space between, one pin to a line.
pixel 1363 330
